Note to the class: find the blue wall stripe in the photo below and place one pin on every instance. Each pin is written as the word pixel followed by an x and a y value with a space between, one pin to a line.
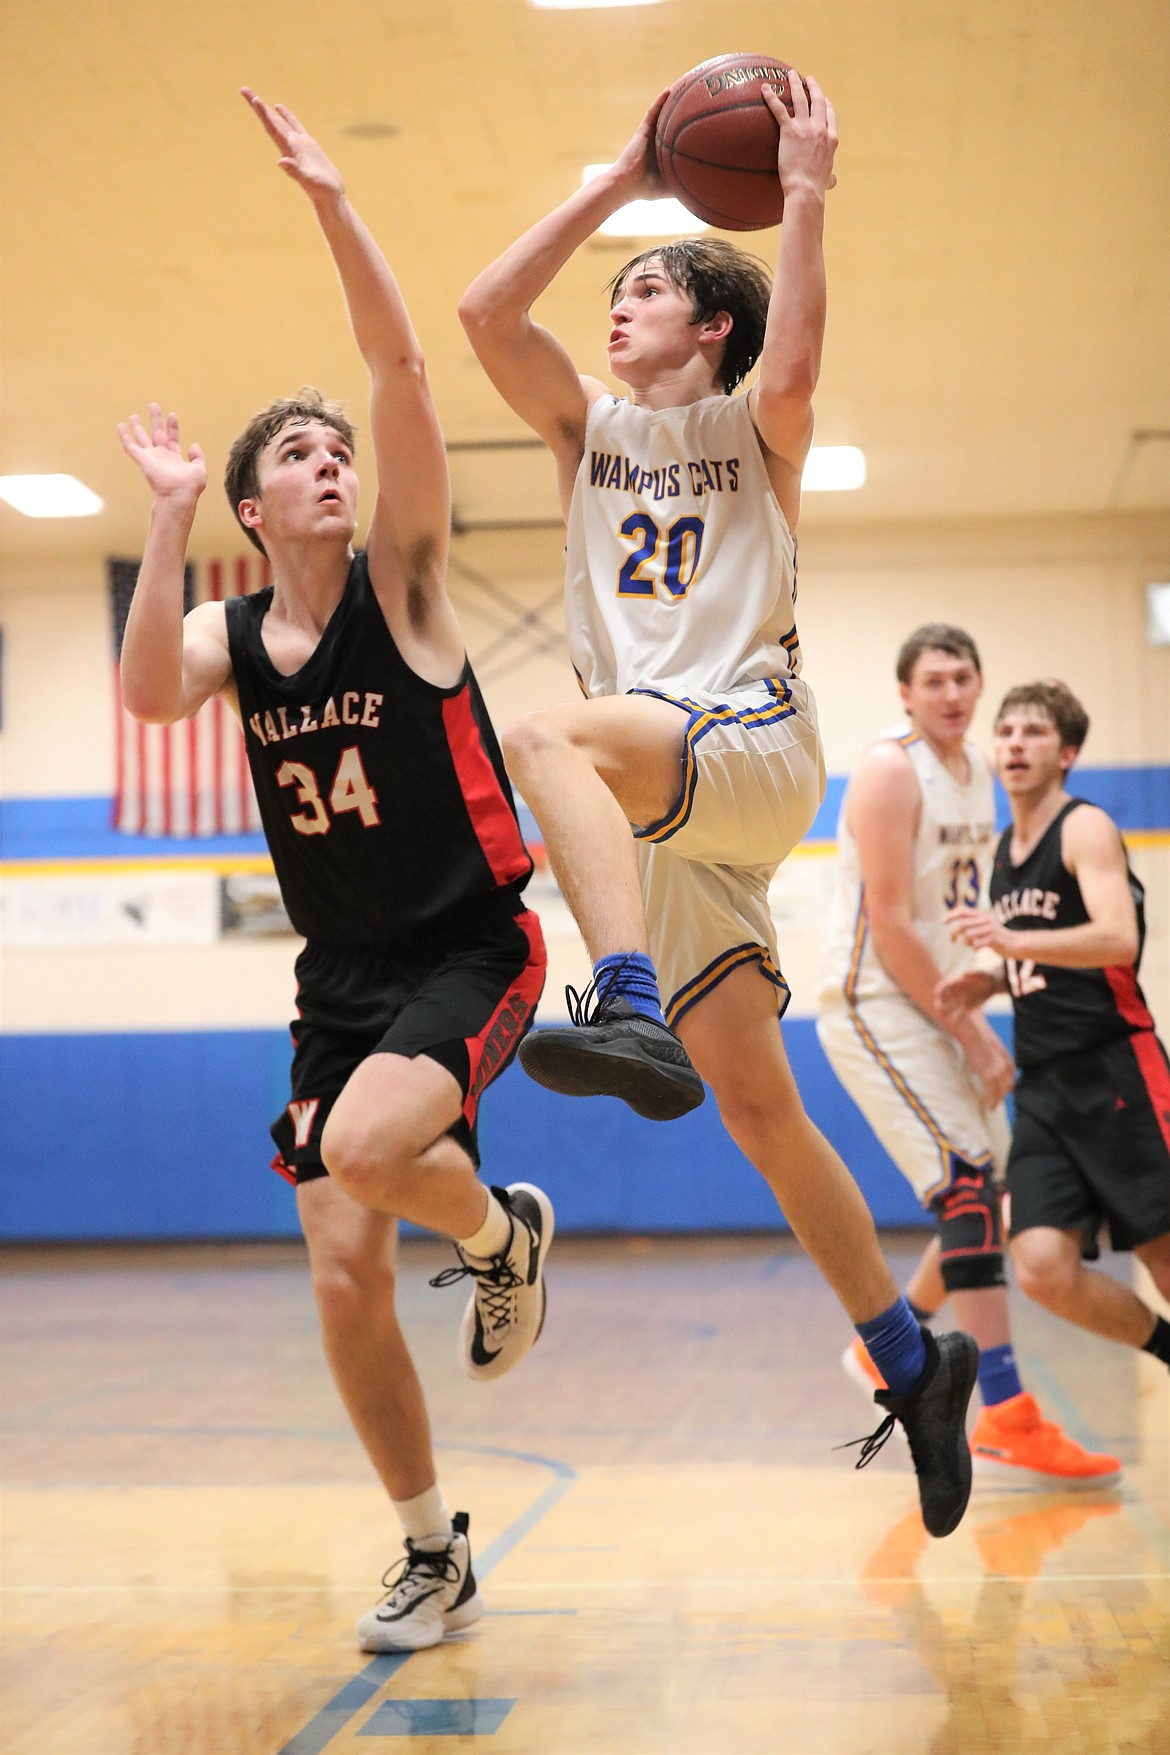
pixel 158 1135
pixel 79 828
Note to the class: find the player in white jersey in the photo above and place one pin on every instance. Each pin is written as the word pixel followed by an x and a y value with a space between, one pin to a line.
pixel 697 732
pixel 915 840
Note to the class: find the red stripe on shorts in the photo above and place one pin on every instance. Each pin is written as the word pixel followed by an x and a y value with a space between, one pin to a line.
pixel 489 1052
pixel 492 818
pixel 1151 1059
pixel 1127 997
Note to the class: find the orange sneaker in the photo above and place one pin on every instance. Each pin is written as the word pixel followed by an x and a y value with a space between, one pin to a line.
pixel 860 1369
pixel 1011 1441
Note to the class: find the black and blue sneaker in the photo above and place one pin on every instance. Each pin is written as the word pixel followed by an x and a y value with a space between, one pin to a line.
pixel 610 1049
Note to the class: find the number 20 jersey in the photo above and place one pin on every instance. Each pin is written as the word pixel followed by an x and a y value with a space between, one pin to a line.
pixel 384 798
pixel 680 567
pixel 952 854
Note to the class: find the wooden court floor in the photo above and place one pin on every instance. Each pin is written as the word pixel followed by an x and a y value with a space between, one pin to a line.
pixel 675 1559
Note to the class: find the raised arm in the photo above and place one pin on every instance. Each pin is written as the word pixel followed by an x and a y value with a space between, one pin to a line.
pixel 170 665
pixel 527 365
pixel 790 364
pixel 412 515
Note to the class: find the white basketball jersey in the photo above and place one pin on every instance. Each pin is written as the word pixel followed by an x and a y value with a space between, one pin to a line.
pixel 681 568
pixel 952 862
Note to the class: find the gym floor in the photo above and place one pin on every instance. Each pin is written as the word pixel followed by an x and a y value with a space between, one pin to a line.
pixel 675 1559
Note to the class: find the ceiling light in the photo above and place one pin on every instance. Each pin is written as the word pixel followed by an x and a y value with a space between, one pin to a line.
pixel 586 5
pixel 49 496
pixel 832 469
pixel 660 218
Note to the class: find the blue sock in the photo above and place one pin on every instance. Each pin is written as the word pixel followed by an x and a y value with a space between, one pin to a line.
pixel 894 1342
pixel 917 1312
pixel 630 973
pixel 998 1378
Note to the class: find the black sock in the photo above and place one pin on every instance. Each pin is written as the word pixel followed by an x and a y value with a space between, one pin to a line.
pixel 917 1312
pixel 1159 1342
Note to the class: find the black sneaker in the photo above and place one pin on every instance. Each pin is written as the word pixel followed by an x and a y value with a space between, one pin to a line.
pixel 614 1051
pixel 434 1594
pixel 934 1417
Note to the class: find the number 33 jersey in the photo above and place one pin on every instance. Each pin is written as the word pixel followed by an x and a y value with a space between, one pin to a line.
pixel 384 798
pixel 952 856
pixel 680 567
pixel 1059 1010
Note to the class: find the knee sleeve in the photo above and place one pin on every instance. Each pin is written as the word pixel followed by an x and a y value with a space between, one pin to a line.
pixel 969 1230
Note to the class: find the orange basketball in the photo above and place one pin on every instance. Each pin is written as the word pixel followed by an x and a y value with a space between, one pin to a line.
pixel 716 142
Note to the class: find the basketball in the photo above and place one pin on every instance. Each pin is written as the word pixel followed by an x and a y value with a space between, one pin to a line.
pixel 716 142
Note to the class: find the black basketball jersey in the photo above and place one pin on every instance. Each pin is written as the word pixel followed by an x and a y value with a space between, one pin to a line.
pixel 1059 1010
pixel 384 799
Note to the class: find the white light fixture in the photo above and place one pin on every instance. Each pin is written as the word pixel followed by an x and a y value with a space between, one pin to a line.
pixel 1158 614
pixel 586 5
pixel 663 218
pixel 833 469
pixel 49 496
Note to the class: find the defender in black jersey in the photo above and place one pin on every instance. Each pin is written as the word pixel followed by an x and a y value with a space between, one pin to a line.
pixel 1091 1146
pixel 395 839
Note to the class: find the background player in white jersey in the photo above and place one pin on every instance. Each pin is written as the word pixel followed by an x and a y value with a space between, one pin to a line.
pixel 698 732
pixel 416 946
pixel 915 837
pixel 1091 1144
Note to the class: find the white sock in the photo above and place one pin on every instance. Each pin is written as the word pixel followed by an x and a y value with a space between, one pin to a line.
pixel 424 1515
pixel 493 1236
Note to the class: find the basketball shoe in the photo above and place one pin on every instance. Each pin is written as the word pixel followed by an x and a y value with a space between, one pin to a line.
pixel 506 1310
pixel 434 1594
pixel 934 1419
pixel 1013 1442
pixel 612 1050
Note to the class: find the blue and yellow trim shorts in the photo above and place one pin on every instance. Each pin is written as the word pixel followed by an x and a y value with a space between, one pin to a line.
pixel 753 777
pixel 912 1083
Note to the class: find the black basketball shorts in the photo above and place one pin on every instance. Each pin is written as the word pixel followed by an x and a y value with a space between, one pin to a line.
pixel 1091 1144
pixel 464 997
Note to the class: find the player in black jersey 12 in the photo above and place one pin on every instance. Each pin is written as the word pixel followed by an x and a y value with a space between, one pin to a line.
pixel 395 839
pixel 1091 1145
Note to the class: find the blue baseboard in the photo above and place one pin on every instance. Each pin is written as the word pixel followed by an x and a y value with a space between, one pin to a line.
pixel 107 1137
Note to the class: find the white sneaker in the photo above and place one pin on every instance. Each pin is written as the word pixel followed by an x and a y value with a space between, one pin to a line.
pixel 435 1595
pixel 505 1313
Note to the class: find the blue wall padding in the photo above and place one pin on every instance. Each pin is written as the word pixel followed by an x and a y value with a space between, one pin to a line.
pixel 158 1135
pixel 81 828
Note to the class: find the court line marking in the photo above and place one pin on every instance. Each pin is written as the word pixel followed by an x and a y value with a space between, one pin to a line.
pixel 357 1692
pixel 777 1585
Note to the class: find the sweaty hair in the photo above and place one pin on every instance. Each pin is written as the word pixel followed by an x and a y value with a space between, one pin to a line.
pixel 1055 699
pixel 241 478
pixel 935 637
pixel 716 277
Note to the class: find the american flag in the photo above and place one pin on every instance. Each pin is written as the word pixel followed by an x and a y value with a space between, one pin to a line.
pixel 188 779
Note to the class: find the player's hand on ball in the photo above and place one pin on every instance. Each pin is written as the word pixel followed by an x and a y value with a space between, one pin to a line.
pixel 169 473
pixel 636 171
pixel 808 137
pixel 981 931
pixel 304 159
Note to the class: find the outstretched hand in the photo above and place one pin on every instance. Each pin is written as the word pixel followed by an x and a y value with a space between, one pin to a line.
pixel 302 157
pixel 808 138
pixel 169 474
pixel 964 992
pixel 980 930
pixel 637 168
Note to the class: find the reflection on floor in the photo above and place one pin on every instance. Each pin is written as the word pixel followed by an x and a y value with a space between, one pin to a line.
pixel 675 1559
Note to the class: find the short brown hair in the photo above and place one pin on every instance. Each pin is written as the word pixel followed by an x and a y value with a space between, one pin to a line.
pixel 935 637
pixel 241 478
pixel 716 277
pixel 1058 701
